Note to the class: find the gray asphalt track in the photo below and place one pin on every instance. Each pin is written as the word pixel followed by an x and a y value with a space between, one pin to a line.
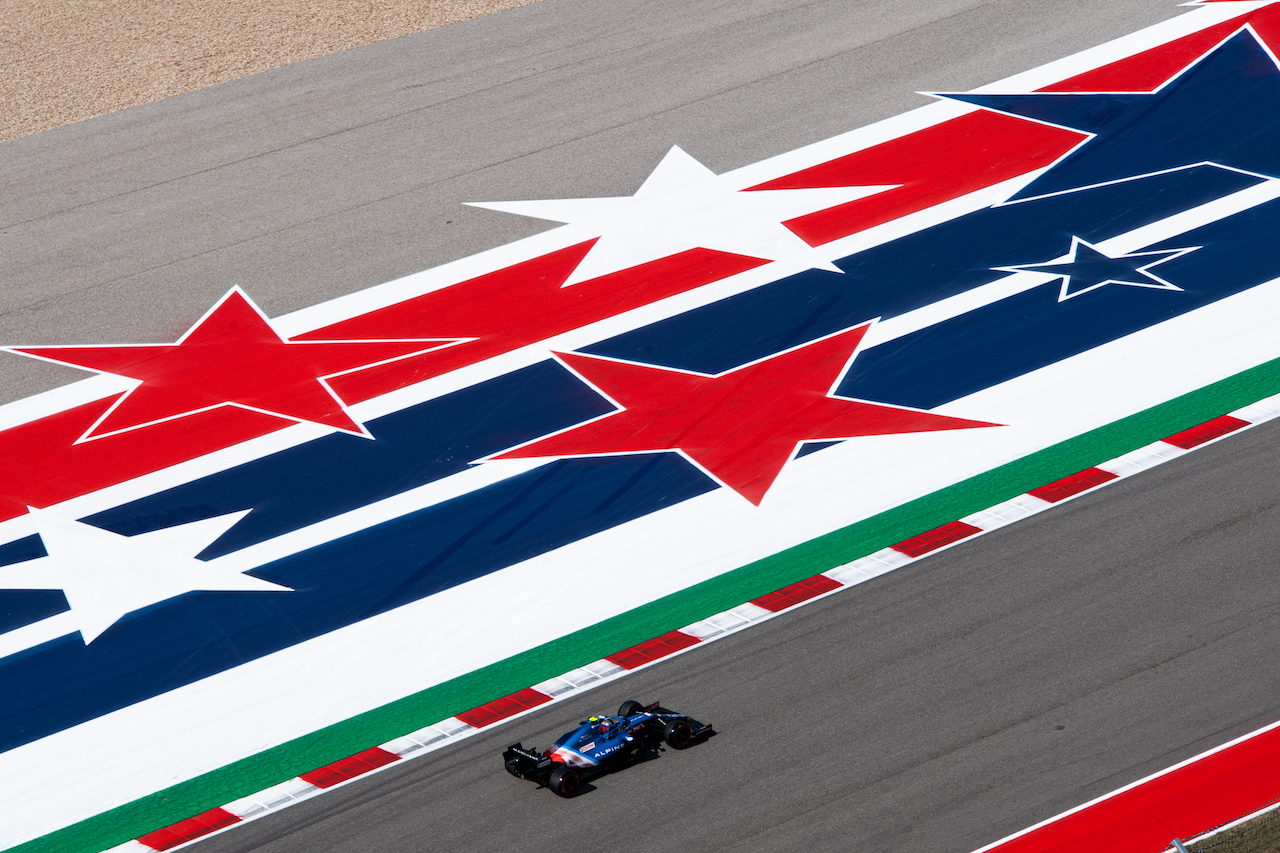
pixel 938 708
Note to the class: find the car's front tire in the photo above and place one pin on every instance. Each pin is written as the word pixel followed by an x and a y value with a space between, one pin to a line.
pixel 678 734
pixel 564 780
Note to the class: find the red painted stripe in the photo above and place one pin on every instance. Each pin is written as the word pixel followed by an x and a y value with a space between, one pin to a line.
pixel 935 539
pixel 1068 487
pixel 350 767
pixel 1207 431
pixel 1183 803
pixel 516 306
pixel 932 165
pixel 1144 72
pixel 800 591
pixel 651 650
pixel 43 466
pixel 189 829
pixel 508 706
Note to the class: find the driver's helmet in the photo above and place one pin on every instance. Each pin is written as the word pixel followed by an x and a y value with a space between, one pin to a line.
pixel 605 724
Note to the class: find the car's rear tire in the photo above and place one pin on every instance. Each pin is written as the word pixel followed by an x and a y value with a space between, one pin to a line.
pixel 630 707
pixel 564 780
pixel 678 734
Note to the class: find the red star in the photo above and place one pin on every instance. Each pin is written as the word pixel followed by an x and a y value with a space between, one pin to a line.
pixel 230 357
pixel 742 426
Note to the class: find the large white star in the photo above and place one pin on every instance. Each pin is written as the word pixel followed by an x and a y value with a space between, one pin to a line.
pixel 105 575
pixel 684 205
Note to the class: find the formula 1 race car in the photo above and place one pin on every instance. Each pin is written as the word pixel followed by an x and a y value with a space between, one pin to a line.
pixel 601 744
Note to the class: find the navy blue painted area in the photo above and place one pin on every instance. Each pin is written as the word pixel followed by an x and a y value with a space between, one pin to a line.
pixel 1017 335
pixel 21 550
pixel 1225 110
pixel 911 272
pixel 326 477
pixel 163 647
pixel 20 607
pixel 814 446
pixel 1238 251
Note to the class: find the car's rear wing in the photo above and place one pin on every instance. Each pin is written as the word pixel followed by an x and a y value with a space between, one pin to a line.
pixel 527 763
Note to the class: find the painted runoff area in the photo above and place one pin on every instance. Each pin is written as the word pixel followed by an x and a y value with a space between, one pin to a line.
pixel 1130 372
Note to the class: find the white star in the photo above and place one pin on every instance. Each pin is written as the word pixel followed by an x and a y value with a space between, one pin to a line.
pixel 105 575
pixel 684 205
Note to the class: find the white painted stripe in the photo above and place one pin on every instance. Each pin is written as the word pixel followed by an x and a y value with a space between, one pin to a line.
pixel 1007 512
pixel 1143 458
pixel 275 797
pixel 728 622
pixel 1261 411
pixel 591 675
pixel 872 566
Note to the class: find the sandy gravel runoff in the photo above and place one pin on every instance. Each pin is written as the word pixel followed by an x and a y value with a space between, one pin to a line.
pixel 66 60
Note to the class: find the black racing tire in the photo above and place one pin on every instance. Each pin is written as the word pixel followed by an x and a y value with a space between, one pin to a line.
pixel 564 780
pixel 678 734
pixel 629 707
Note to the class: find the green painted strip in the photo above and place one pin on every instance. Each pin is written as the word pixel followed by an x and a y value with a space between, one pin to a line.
pixel 842 546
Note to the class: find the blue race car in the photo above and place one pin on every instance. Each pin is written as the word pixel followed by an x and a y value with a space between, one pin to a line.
pixel 601 744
